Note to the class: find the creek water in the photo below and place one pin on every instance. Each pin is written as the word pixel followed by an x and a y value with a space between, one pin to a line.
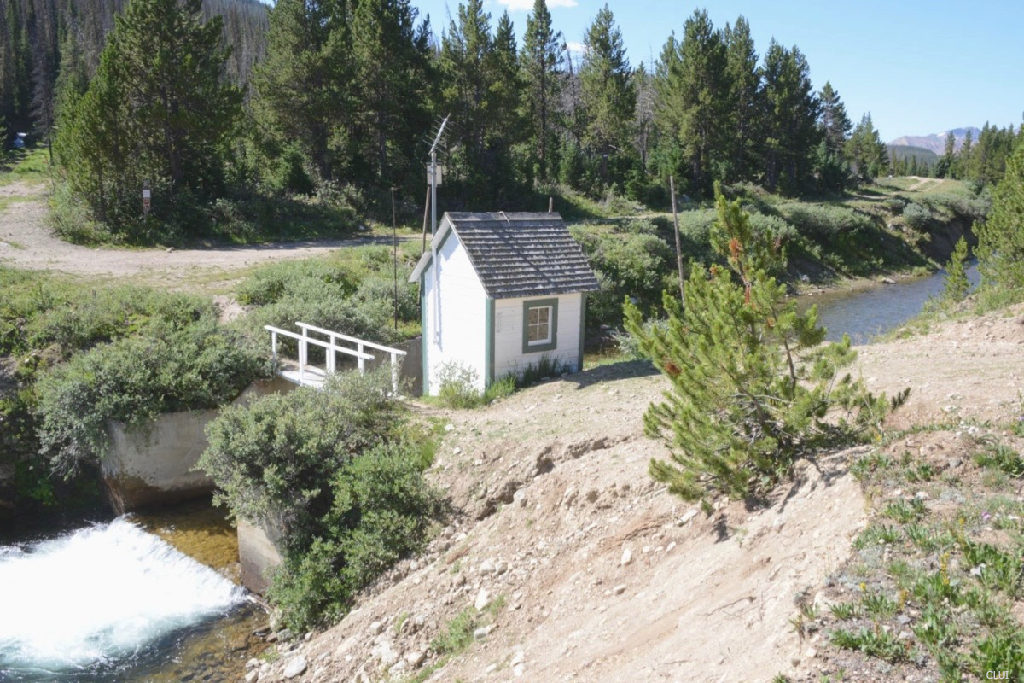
pixel 128 599
pixel 864 314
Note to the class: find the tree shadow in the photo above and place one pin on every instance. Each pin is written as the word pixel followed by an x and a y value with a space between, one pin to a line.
pixel 612 372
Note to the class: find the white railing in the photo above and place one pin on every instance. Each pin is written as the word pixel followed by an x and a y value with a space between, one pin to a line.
pixel 333 348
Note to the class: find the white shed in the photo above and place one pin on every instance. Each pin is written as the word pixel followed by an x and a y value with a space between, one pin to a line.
pixel 500 292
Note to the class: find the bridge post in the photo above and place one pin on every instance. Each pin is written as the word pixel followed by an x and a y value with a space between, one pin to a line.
pixel 302 357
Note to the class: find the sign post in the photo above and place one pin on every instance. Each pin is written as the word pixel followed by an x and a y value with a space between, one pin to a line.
pixel 146 196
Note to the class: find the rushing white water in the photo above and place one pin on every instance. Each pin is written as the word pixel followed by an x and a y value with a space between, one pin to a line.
pixel 98 595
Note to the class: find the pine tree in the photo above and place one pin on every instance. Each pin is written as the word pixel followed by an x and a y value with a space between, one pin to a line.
pixel 303 85
pixel 692 98
pixel 957 286
pixel 606 89
pixel 392 81
pixel 866 151
pixel 834 123
pixel 751 387
pixel 157 111
pixel 944 169
pixel 541 61
pixel 791 116
pixel 745 103
pixel 1001 236
pixel 466 66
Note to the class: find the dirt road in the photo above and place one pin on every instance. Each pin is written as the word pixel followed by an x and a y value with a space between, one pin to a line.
pixel 26 241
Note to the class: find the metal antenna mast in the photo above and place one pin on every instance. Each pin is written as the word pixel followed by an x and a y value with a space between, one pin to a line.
pixel 433 231
pixel 433 176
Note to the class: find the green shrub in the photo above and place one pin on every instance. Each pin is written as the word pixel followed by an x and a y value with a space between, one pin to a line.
pixel 916 216
pixel 38 311
pixel 341 472
pixel 1001 457
pixel 822 222
pixel 135 379
pixel 381 512
pixel 634 264
pixel 275 455
pixel 457 386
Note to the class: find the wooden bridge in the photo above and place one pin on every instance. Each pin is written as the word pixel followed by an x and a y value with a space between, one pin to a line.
pixel 306 374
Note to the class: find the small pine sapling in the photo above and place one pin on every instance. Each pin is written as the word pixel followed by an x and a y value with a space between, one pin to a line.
pixel 957 285
pixel 752 386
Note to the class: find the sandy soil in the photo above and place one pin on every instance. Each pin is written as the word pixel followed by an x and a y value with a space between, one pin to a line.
pixel 601 574
pixel 26 241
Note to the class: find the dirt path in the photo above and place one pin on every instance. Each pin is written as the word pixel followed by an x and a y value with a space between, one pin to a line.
pixel 921 182
pixel 26 241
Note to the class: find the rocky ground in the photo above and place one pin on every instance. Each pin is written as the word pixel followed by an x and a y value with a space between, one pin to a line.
pixel 564 561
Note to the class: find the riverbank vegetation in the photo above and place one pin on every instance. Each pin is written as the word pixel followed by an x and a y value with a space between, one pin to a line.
pixel 74 355
pixel 339 473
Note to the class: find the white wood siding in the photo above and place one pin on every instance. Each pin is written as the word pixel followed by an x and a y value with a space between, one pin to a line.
pixel 508 335
pixel 462 321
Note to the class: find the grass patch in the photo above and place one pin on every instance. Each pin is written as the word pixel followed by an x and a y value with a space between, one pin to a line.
pixel 30 166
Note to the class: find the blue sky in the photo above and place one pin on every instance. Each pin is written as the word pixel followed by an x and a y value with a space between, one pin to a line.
pixel 918 67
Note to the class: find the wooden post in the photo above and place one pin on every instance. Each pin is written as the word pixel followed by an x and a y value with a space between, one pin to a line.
pixel 679 251
pixel 361 360
pixel 394 373
pixel 302 357
pixel 426 214
pixel 394 251
pixel 331 355
pixel 273 347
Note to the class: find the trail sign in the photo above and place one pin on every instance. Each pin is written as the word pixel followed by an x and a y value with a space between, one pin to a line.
pixel 146 196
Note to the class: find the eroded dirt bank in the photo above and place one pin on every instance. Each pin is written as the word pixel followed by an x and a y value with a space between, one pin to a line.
pixel 567 562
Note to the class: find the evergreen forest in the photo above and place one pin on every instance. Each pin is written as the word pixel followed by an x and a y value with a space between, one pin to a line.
pixel 249 122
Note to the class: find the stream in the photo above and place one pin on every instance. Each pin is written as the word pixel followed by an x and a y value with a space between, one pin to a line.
pixel 142 597
pixel 864 314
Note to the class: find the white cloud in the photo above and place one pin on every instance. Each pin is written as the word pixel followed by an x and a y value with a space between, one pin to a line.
pixel 576 48
pixel 527 5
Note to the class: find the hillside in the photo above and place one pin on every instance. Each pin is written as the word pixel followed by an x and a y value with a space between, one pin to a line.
pixel 562 558
pixel 936 142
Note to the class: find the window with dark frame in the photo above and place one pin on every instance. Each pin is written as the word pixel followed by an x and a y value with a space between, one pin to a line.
pixel 540 325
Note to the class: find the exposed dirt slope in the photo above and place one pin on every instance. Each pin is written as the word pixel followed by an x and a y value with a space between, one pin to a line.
pixel 598 573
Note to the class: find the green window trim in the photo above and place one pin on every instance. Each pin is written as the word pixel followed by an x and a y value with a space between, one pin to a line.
pixel 552 322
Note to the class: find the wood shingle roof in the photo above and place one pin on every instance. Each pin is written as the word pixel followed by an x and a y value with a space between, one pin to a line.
pixel 523 254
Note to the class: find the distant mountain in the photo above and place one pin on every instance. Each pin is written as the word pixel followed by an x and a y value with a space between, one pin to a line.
pixel 937 141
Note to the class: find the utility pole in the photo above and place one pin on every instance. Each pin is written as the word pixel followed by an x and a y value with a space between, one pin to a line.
pixel 394 251
pixel 679 251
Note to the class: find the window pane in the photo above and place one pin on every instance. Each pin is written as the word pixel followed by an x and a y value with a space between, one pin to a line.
pixel 538 324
